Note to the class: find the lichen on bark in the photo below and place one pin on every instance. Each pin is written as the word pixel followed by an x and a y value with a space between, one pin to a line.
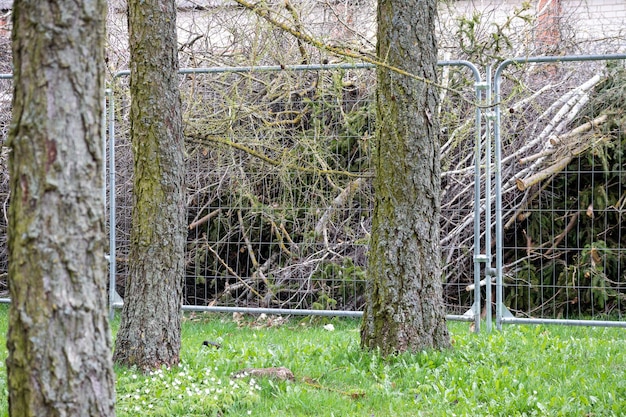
pixel 149 334
pixel 59 342
pixel 404 306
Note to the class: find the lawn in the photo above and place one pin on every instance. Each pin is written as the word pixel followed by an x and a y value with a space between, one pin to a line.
pixel 521 371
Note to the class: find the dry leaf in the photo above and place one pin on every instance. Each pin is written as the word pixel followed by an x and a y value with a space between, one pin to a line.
pixel 238 318
pixel 596 259
pixel 590 211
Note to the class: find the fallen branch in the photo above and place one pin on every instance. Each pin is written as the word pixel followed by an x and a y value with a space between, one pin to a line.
pixel 338 201
pixel 558 166
pixel 204 219
pixel 198 137
pixel 568 102
pixel 561 140
pixel 255 263
pixel 232 272
pixel 570 225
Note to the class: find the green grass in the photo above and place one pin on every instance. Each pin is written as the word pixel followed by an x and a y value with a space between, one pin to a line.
pixel 521 371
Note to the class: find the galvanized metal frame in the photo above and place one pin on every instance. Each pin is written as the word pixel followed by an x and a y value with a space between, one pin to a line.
pixel 502 314
pixel 482 91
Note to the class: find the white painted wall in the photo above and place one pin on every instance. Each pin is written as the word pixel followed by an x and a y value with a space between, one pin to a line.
pixel 588 26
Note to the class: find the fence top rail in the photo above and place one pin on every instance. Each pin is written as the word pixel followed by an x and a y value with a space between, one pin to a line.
pixel 300 67
pixel 551 59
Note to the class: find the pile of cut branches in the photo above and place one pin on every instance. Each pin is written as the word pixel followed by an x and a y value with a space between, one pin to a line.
pixel 561 173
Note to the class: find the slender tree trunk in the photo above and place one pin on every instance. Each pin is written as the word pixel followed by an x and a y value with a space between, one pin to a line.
pixel 404 308
pixel 149 334
pixel 59 341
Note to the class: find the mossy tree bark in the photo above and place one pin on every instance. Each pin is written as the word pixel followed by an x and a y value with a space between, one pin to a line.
pixel 404 306
pixel 59 342
pixel 149 334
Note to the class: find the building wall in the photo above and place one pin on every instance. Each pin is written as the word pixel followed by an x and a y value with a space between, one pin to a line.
pixel 584 26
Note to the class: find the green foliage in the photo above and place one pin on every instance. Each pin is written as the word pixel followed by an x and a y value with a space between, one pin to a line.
pixel 339 283
pixel 521 371
pixel 580 273
pixel 483 40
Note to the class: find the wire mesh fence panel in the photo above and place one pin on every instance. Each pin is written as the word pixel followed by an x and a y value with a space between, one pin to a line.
pixel 6 95
pixel 564 189
pixel 278 200
pixel 279 187
pixel 458 125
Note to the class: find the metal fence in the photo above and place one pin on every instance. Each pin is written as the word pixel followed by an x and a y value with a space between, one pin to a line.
pixel 280 198
pixel 278 235
pixel 279 195
pixel 562 238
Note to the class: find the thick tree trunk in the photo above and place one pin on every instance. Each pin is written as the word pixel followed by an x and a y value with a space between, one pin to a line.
pixel 404 308
pixel 149 334
pixel 59 341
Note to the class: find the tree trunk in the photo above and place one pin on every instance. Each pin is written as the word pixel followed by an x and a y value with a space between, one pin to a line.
pixel 59 341
pixel 404 306
pixel 149 334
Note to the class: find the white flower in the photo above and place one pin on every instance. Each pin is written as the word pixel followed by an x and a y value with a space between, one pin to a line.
pixel 329 327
